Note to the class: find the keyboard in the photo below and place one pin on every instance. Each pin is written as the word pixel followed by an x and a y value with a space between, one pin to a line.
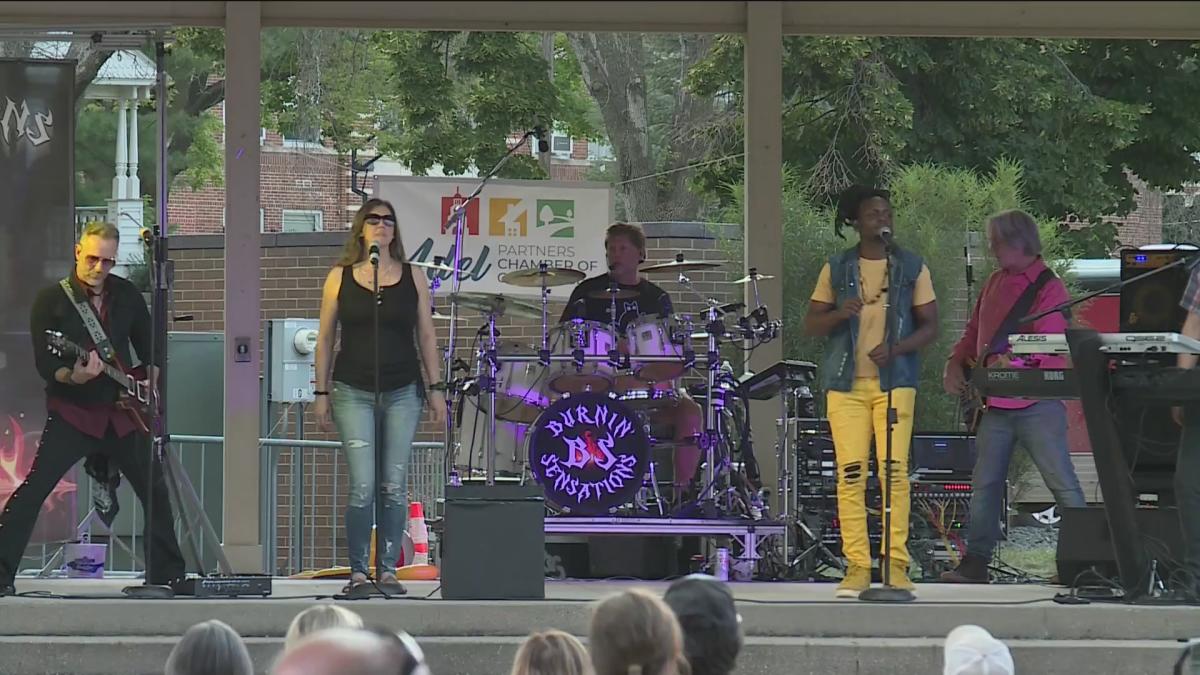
pixel 767 384
pixel 1044 384
pixel 1110 343
pixel 1149 384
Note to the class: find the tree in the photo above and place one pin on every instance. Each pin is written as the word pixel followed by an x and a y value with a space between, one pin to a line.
pixel 1075 113
pixel 625 74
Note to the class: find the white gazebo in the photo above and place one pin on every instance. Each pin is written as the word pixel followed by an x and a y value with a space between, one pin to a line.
pixel 127 77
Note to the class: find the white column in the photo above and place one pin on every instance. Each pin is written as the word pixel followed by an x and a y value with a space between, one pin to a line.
pixel 243 539
pixel 120 179
pixel 133 188
pixel 763 76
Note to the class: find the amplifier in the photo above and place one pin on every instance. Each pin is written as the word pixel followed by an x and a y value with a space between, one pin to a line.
pixel 225 586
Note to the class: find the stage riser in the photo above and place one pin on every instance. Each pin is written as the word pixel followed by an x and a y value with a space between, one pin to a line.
pixel 492 656
pixel 832 619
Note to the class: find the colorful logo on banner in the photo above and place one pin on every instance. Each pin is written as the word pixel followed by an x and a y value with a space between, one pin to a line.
pixel 589 452
pixel 557 216
pixel 472 213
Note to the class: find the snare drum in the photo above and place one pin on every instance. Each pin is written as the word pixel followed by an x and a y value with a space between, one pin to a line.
pixel 596 339
pixel 651 335
pixel 521 393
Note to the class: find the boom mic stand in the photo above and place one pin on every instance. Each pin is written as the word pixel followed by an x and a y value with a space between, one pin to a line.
pixel 161 272
pixel 888 593
pixel 457 220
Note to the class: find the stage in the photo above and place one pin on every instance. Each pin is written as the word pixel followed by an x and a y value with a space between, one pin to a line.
pixel 794 628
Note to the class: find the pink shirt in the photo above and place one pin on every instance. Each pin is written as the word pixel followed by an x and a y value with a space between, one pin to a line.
pixel 1001 290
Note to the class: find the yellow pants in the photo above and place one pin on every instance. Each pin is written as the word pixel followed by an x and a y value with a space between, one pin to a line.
pixel 854 416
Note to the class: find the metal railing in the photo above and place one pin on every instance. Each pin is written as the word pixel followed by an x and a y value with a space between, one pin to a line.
pixel 303 475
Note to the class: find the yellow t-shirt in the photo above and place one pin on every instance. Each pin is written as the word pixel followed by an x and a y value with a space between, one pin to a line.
pixel 872 320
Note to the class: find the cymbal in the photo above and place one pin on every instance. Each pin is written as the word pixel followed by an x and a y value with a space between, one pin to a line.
pixel 620 293
pixel 680 265
pixel 497 303
pixel 747 279
pixel 432 266
pixel 532 277
pixel 438 316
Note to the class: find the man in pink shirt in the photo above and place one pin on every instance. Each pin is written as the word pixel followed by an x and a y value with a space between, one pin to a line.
pixel 1039 426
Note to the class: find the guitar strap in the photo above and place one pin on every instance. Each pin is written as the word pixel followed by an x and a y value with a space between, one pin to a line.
pixel 88 315
pixel 1020 308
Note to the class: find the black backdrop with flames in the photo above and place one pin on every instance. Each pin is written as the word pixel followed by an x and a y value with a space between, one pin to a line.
pixel 37 232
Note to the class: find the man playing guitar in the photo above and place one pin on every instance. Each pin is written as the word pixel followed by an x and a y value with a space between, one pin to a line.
pixel 1039 426
pixel 87 412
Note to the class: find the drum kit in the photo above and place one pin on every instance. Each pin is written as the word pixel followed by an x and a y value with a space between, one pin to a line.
pixel 573 409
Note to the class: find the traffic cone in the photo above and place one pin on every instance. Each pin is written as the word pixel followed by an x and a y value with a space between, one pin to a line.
pixel 419 533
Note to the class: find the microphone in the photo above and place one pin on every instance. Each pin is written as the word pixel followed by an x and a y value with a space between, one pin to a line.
pixel 885 233
pixel 539 132
pixel 374 253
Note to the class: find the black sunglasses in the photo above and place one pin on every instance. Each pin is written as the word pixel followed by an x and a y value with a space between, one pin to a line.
pixel 375 219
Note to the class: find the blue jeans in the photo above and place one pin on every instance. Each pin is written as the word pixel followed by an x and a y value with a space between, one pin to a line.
pixel 1042 430
pixel 353 412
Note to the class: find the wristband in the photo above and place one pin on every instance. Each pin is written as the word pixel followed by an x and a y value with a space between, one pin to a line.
pixel 320 393
pixel 438 386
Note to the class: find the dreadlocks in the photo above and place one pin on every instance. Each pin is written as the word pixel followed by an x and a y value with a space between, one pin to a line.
pixel 848 203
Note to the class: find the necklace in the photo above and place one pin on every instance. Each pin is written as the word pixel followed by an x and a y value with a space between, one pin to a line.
pixel 862 288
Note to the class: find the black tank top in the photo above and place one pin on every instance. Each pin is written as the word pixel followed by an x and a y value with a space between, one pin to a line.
pixel 398 362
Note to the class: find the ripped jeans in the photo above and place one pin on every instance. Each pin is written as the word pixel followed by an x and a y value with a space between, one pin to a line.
pixel 854 417
pixel 353 414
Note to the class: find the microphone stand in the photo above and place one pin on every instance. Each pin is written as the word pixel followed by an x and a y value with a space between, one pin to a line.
pixel 457 220
pixel 162 272
pixel 887 593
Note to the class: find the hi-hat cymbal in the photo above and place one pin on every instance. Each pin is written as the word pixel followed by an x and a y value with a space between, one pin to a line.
pixel 747 279
pixel 620 294
pixel 498 304
pixel 532 277
pixel 680 265
pixel 432 266
pixel 438 316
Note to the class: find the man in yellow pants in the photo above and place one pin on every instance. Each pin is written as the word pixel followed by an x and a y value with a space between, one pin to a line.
pixel 860 292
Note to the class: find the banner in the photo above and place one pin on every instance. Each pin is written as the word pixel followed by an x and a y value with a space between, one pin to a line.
pixel 37 233
pixel 512 225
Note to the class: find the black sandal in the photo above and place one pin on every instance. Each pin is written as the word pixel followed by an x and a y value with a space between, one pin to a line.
pixel 352 585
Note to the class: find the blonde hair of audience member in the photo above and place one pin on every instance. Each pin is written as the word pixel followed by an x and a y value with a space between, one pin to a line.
pixel 552 652
pixel 320 617
pixel 636 633
pixel 210 648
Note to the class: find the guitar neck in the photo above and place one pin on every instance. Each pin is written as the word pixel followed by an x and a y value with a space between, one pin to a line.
pixel 120 376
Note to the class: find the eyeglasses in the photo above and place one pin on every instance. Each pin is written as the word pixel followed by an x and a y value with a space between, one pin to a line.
pixel 106 263
pixel 375 219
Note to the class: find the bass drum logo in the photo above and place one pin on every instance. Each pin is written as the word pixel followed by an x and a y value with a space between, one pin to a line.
pixel 589 453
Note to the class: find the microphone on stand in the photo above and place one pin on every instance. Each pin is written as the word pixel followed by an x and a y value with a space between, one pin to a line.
pixel 373 252
pixel 543 145
pixel 885 233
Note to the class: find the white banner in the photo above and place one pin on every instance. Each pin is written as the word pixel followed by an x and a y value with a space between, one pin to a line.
pixel 512 225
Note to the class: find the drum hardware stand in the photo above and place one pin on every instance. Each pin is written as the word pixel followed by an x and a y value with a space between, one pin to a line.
pixel 816 548
pixel 458 221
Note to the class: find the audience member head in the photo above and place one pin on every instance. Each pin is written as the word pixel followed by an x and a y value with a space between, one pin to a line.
pixel 353 651
pixel 552 652
pixel 971 650
pixel 635 633
pixel 320 617
pixel 209 648
pixel 712 630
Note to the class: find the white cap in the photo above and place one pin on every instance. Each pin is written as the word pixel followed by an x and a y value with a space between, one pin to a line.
pixel 971 650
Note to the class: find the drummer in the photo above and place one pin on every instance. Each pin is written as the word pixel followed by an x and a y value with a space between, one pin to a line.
pixel 625 249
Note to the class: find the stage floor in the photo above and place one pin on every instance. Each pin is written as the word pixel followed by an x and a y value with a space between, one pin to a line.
pixel 88 627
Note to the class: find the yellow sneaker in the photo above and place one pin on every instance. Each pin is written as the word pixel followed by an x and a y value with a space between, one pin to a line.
pixel 857 580
pixel 899 579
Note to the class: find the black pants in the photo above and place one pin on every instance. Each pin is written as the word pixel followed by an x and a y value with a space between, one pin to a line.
pixel 61 447
pixel 1187 492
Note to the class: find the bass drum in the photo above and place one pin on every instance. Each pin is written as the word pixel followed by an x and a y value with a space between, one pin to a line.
pixel 590 453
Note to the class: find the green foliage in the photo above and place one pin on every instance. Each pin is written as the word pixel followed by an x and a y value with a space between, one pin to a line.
pixel 1181 219
pixel 934 208
pixel 1074 113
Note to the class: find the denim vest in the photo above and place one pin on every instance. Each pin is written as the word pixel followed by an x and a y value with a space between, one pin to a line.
pixel 837 371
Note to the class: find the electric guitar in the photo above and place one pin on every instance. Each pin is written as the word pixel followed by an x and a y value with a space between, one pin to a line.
pixel 971 403
pixel 136 398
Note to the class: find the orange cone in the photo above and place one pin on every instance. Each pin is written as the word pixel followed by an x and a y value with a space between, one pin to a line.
pixel 419 533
